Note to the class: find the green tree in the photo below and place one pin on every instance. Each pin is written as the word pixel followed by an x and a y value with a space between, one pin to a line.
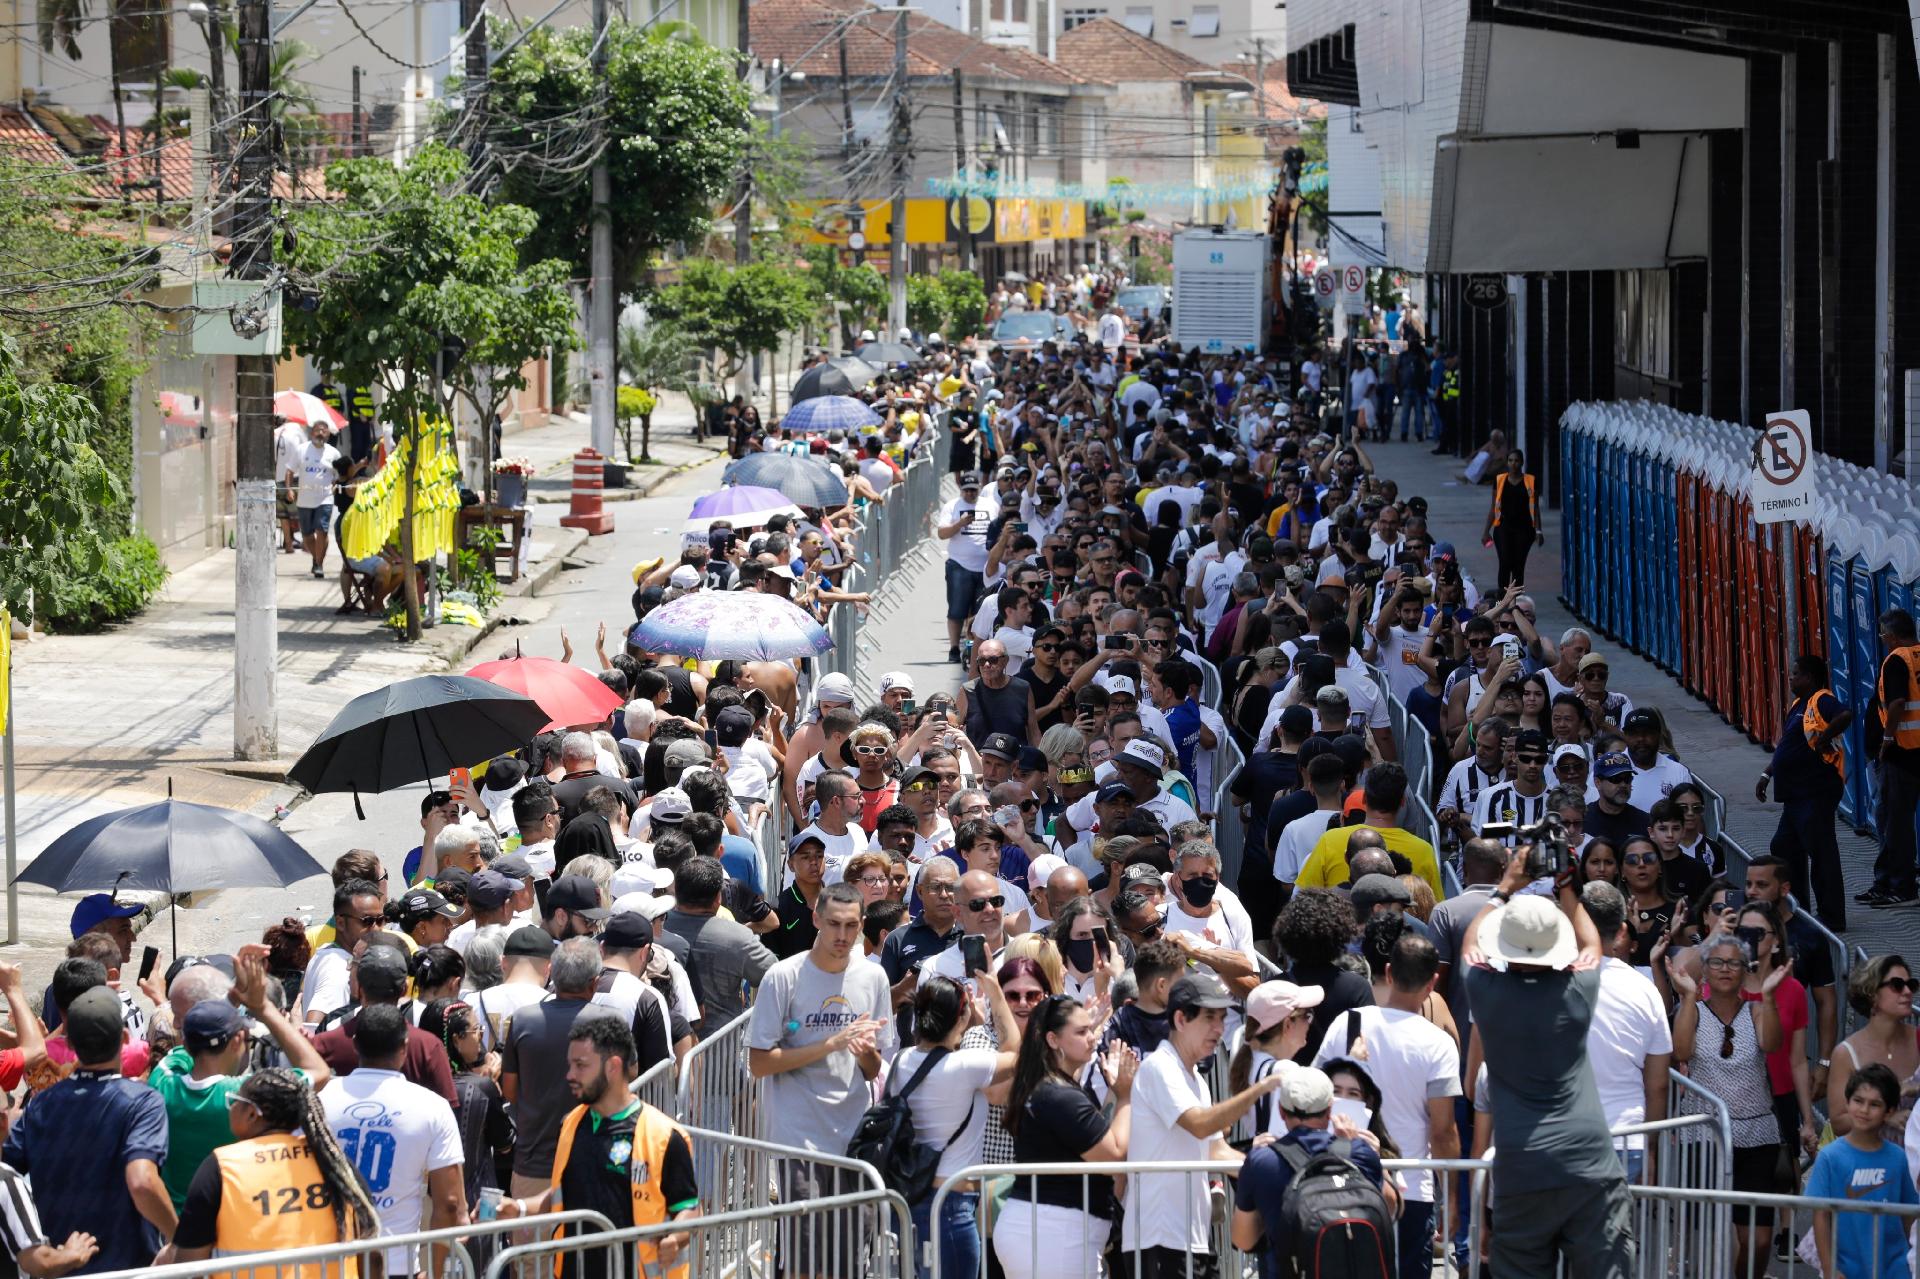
pixel 966 303
pixel 677 122
pixel 846 298
pixel 926 304
pixel 655 356
pixel 51 484
pixel 736 310
pixel 418 286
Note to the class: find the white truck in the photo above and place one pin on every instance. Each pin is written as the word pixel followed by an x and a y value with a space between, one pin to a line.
pixel 1220 290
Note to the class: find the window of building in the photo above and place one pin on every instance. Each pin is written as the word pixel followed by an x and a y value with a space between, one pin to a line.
pixel 1643 322
pixel 1204 21
pixel 1019 10
pixel 1139 19
pixel 1071 18
pixel 1093 131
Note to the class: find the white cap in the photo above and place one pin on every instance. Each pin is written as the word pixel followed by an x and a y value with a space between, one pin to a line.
pixel 1307 1091
pixel 686 577
pixel 896 679
pixel 906 333
pixel 652 905
pixel 866 335
pixel 1042 868
pixel 638 877
pixel 1565 749
pixel 1528 930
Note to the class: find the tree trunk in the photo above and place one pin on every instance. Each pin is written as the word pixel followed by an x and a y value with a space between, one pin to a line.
pixel 406 534
pixel 646 436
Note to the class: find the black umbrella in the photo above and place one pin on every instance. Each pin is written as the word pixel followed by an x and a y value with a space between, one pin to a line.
pixel 171 847
pixel 887 353
pixel 842 375
pixel 807 481
pixel 415 730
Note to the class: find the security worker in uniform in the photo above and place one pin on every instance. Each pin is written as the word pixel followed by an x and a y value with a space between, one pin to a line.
pixel 1513 520
pixel 1808 772
pixel 1899 696
pixel 618 1156
pixel 283 1183
pixel 1444 382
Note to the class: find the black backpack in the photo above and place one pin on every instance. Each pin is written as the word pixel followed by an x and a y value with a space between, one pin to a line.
pixel 1336 1219
pixel 885 1139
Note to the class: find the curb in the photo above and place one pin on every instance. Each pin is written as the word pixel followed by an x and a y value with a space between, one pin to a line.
pixel 632 492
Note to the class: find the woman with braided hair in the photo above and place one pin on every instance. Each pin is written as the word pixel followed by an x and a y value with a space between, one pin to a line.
pixel 283 1183
pixel 486 1128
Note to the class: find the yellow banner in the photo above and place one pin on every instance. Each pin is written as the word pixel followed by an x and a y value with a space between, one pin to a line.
pixel 1018 220
pixel 378 506
pixel 928 221
pixel 6 666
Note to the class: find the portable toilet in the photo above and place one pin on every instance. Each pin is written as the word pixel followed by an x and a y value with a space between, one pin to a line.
pixel 1840 537
pixel 1866 653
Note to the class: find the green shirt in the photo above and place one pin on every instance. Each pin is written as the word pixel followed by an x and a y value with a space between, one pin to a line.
pixel 196 1118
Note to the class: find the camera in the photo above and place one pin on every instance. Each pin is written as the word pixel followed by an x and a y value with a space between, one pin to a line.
pixel 1546 842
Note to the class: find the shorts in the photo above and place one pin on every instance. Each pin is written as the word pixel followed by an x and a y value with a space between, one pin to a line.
pixel 369 566
pixel 1756 1169
pixel 283 506
pixel 963 589
pixel 316 519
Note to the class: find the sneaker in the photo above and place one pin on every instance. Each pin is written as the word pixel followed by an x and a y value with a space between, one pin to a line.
pixel 319 572
pixel 1906 897
pixel 953 654
pixel 1869 895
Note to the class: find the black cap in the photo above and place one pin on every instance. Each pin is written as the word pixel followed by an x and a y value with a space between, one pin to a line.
pixel 1001 746
pixel 1112 791
pixel 1031 760
pixel 628 930
pixel 578 895
pixel 1532 739
pixel 970 480
pixel 529 941
pixel 1196 990
pixel 422 903
pixel 1641 721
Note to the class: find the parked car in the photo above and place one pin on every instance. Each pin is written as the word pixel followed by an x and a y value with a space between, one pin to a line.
pixel 1019 329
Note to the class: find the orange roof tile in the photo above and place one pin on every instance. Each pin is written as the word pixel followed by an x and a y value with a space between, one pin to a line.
pixel 803 35
pixel 1106 50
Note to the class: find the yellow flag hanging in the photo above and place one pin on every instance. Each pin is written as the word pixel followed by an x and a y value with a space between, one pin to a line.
pixel 6 665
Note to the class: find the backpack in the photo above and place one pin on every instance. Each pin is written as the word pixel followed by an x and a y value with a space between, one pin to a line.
pixel 884 1138
pixel 1336 1219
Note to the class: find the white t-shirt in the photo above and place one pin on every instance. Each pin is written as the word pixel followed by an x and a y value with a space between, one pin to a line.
pixel 945 1100
pixel 876 472
pixel 1228 928
pixel 289 442
pixel 1113 331
pixel 1629 1025
pixel 1413 1061
pixel 395 1132
pixel 968 547
pixel 1166 1210
pixel 316 475
pixel 325 986
pixel 496 1006
pixel 1296 843
pixel 1019 644
pixel 1400 659
pixel 746 775
pixel 1651 785
pixel 540 858
pixel 1216 587
pixel 1363 699
pixel 1360 386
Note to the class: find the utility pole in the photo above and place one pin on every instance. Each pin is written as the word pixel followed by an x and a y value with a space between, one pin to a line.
pixel 359 140
pixel 902 148
pixel 256 727
pixel 963 170
pixel 600 298
pixel 747 381
pixel 475 86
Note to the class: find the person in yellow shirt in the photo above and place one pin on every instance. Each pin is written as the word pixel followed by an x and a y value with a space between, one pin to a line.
pixel 1385 790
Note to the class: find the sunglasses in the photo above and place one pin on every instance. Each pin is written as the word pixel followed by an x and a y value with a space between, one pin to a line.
pixel 1693 808
pixel 1639 859
pixel 1726 1038
pixel 1046 648
pixel 875 750
pixel 993 661
pixel 1152 931
pixel 1529 759
pixel 368 921
pixel 1025 998
pixel 1479 643
pixel 1901 985
pixel 918 787
pixel 1598 672
pixel 978 904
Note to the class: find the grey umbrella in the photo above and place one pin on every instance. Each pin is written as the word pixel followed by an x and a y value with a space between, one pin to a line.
pixel 887 353
pixel 841 375
pixel 805 480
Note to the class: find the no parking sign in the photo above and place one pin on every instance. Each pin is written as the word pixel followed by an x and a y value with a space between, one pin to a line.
pixel 1783 488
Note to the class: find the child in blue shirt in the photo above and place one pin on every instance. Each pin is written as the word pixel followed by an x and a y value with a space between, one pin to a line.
pixel 1862 1168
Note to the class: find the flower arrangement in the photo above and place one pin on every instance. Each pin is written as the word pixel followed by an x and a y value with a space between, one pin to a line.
pixel 513 466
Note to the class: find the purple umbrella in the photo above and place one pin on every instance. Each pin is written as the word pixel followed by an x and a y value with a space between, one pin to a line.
pixel 743 625
pixel 744 505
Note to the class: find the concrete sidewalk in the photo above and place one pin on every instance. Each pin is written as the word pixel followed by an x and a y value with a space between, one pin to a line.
pixel 1717 753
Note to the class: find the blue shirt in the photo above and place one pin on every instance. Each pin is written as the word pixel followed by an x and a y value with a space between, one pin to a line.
pixel 1183 721
pixel 1844 1171
pixel 74 1143
pixel 740 858
pixel 1263 1183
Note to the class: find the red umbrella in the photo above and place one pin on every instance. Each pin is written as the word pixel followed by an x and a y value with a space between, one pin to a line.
pixel 298 406
pixel 567 693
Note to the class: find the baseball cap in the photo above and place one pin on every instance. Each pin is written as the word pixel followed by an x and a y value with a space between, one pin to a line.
pixel 576 894
pixel 1306 1091
pixel 1531 739
pixel 1592 660
pixel 1140 873
pixel 514 866
pixel 1613 764
pixel 1444 551
pixel 686 577
pixel 733 725
pixel 1001 746
pixel 628 930
pixel 1196 990
pixel 1371 890
pixel 1528 930
pixel 834 687
pixel 1031 760
pixel 1567 751
pixel 647 905
pixel 210 1023
pixel 1272 1002
pixel 1296 721
pixel 528 941
pixel 917 774
pixel 970 480
pixel 1112 791
pixel 895 679
pixel 670 807
pixel 424 902
pixel 1144 755
pixel 382 971
pixel 1043 866
pixel 96 908
pixel 780 570
pixel 805 837
pixel 490 890
pixel 682 755
pixel 1118 684
pixel 1642 721
pixel 95 1017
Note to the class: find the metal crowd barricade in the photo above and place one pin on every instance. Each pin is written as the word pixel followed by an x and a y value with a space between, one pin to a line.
pixel 781 1218
pixel 1056 1240
pixel 336 1261
pixel 1661 1215
pixel 773 853
pixel 716 1091
pixel 1229 827
pixel 1686 1098
pixel 659 1087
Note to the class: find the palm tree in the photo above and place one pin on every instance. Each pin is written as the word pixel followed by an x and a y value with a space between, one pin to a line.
pixel 654 356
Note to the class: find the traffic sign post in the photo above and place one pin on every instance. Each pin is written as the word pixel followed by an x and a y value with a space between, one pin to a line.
pixel 1783 470
pixel 1326 286
pixel 1353 289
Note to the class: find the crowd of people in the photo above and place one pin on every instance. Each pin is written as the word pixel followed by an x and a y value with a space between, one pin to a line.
pixel 1026 903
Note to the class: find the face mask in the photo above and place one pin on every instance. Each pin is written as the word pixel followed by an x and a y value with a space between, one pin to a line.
pixel 1200 891
pixel 1080 954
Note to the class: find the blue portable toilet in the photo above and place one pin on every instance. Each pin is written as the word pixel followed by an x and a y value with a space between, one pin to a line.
pixel 1634 624
pixel 1621 570
pixel 1840 659
pixel 1866 673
